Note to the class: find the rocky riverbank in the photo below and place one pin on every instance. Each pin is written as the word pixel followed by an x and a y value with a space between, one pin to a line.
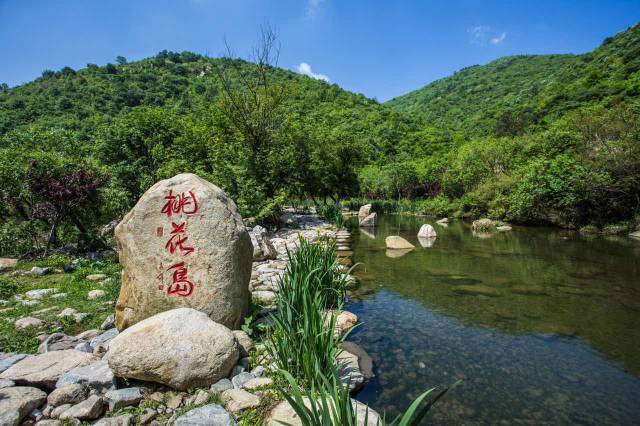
pixel 141 376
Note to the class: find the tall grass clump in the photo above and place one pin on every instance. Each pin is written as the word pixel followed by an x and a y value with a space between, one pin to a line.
pixel 302 340
pixel 332 213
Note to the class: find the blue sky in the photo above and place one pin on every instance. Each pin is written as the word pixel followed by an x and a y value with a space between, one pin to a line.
pixel 379 48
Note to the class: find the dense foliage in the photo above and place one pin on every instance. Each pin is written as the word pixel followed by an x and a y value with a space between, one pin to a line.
pixel 533 139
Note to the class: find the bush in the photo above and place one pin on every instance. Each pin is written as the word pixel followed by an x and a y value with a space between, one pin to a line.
pixel 8 288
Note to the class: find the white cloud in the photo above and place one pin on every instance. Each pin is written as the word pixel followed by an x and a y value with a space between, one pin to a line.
pixel 478 34
pixel 312 7
pixel 499 39
pixel 305 68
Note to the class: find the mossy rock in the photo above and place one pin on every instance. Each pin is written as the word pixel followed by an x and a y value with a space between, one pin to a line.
pixel 589 230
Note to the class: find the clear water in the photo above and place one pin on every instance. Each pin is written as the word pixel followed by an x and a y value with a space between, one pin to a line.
pixel 541 325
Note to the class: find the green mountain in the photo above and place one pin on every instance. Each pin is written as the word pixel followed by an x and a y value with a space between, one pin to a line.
pixel 512 94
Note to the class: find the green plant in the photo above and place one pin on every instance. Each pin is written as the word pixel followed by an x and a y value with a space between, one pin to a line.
pixel 330 404
pixel 8 288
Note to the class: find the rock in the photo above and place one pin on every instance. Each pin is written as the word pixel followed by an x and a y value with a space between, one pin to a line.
pixel 96 294
pixel 221 386
pixel 104 339
pixel 237 400
pixel 28 322
pixel 364 211
pixel 108 323
pixel 17 402
pixel 265 298
pixel 364 360
pixel 39 271
pixel 443 221
pixel 241 379
pixel 188 232
pixel 44 370
pixel 349 370
pixel 89 409
pixel 97 375
pixel 427 231
pixel 263 249
pixel 369 221
pixel 7 264
pixel 208 415
pixel 69 394
pixel 427 242
pixel 8 359
pixel 245 344
pixel 40 293
pixel 635 235
pixel 181 348
pixel 123 398
pixel 49 422
pixel 55 413
pixel 147 416
pixel 58 342
pixel 123 420
pixel 89 334
pixel 283 413
pixel 84 347
pixel 257 383
pixel 95 277
pixel 483 225
pixel 67 312
pixel 504 228
pixel 4 383
pixel 396 242
pixel 345 321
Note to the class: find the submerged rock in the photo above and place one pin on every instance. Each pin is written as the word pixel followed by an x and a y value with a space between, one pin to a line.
pixel 396 242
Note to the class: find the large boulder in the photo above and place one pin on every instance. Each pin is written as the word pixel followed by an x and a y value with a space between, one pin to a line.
pixel 263 249
pixel 369 221
pixel 183 245
pixel 396 242
pixel 45 369
pixel 364 211
pixel 427 231
pixel 181 348
pixel 17 402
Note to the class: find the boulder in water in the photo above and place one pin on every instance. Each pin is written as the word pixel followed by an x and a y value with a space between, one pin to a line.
pixel 397 242
pixel 427 231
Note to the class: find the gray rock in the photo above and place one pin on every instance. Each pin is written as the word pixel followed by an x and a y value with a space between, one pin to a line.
pixel 69 394
pixel 123 398
pixel 8 359
pixel 208 415
pixel 28 322
pixel 17 402
pixel 124 420
pixel 56 412
pixel 97 375
pixel 4 383
pixel 244 341
pixel 49 422
pixel 40 293
pixel 370 221
pixel 58 342
pixel 427 231
pixel 262 247
pixel 108 323
pixel 256 383
pixel 237 400
pixel 241 379
pixel 38 270
pixel 221 386
pixel 84 347
pixel 104 339
pixel 96 294
pixel 349 370
pixel 89 409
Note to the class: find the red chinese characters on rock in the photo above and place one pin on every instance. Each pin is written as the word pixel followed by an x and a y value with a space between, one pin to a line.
pixel 178 204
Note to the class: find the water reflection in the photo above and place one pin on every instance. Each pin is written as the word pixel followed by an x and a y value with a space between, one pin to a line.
pixel 541 324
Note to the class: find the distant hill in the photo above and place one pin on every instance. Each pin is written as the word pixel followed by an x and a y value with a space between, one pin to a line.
pixel 514 93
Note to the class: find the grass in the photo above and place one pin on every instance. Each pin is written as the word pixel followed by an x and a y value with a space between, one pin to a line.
pixel 76 288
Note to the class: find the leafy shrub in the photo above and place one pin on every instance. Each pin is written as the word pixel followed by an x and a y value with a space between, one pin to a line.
pixel 8 288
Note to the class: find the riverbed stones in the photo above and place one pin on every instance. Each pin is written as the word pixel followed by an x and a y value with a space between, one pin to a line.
pixel 119 398
pixel 237 400
pixel 28 322
pixel 263 249
pixel 9 359
pixel 369 221
pixel 17 402
pixel 184 245
pixel 97 375
pixel 89 409
pixel 44 370
pixel 96 294
pixel 245 343
pixel 396 242
pixel 283 413
pixel 427 231
pixel 181 348
pixel 349 370
pixel 7 264
pixel 69 394
pixel 207 415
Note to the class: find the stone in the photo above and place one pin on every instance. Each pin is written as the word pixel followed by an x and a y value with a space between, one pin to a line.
pixel 89 334
pixel 123 398
pixel 108 323
pixel 89 409
pixel 349 370
pixel 215 277
pixel 84 347
pixel 364 360
pixel 345 321
pixel 17 402
pixel 45 369
pixel 240 379
pixel 49 422
pixel 154 350
pixel 635 235
pixel 95 277
pixel 147 416
pixel 263 249
pixel 237 400
pixel 207 415
pixel 55 413
pixel 504 228
pixel 58 342
pixel 123 420
pixel 443 221
pixel 483 225
pixel 7 264
pixel 104 339
pixel 264 298
pixel 39 271
pixel 221 386
pixel 69 394
pixel 175 400
pixel 96 294
pixel 28 322
pixel 427 231
pixel 67 312
pixel 283 413
pixel 8 359
pixel 40 293
pixel 369 221
pixel 364 211
pixel 256 383
pixel 396 242
pixel 4 383
pixel 245 343
pixel 97 375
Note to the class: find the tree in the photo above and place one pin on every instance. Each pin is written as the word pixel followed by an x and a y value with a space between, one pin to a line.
pixel 121 60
